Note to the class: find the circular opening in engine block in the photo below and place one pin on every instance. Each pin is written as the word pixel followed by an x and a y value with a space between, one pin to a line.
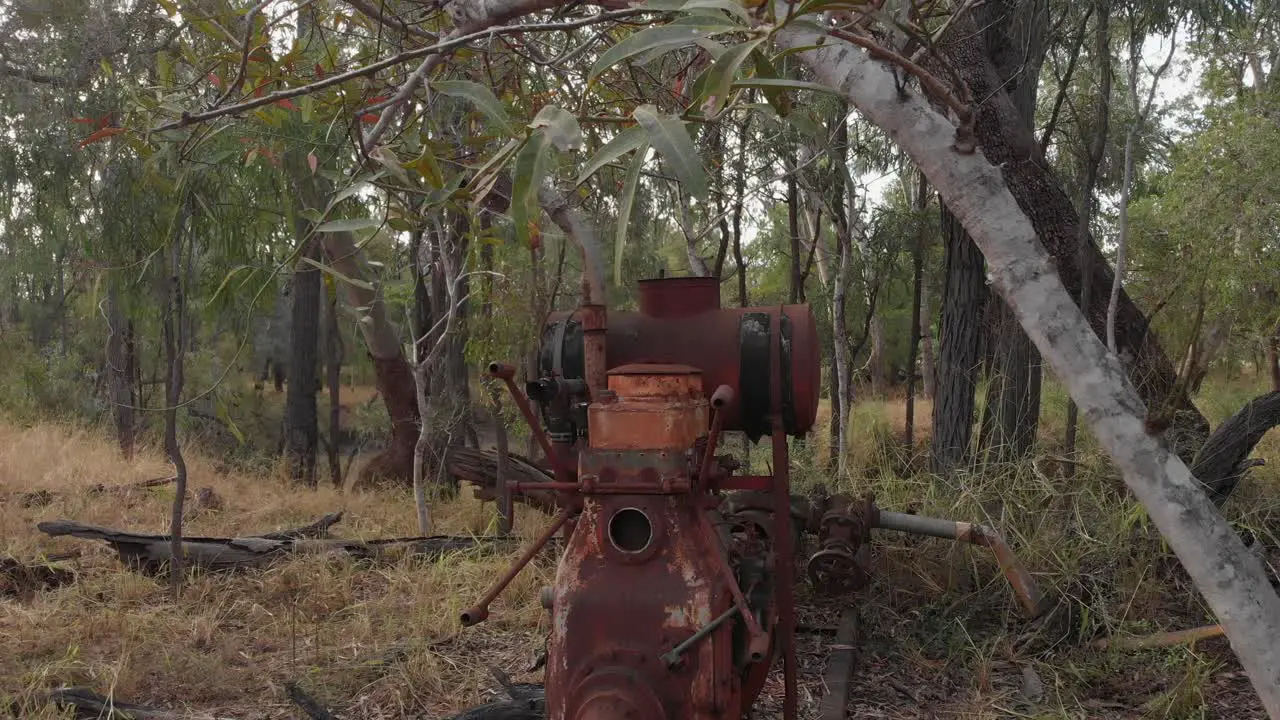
pixel 630 530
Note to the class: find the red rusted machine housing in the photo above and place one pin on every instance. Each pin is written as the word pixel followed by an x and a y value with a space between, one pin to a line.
pixel 642 571
pixel 661 609
pixel 670 603
pixel 680 321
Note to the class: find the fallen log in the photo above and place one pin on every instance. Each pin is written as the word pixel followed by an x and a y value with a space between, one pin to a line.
pixel 151 554
pixel 87 704
pixel 1223 460
pixel 480 469
pixel 1160 639
pixel 523 702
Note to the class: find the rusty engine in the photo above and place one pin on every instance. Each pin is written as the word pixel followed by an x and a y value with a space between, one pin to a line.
pixel 674 594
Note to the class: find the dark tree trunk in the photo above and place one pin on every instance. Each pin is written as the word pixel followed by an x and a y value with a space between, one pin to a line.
pixel 119 371
pixel 1224 458
pixel 917 283
pixel 173 381
pixel 1007 143
pixel 1012 410
pixel 1273 360
pixel 1087 204
pixel 739 191
pixel 1015 44
pixel 958 359
pixel 334 371
pixel 300 398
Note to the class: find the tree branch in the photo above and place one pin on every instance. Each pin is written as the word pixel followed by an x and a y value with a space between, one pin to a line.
pixel 368 10
pixel 443 46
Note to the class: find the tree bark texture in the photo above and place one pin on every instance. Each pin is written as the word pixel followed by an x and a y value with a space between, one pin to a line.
pixel 119 367
pixel 1007 143
pixel 1224 459
pixel 1230 577
pixel 174 351
pixel 333 365
pixel 958 358
pixel 1273 359
pixel 300 416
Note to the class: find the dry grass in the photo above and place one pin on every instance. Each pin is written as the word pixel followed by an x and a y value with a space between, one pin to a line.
pixel 943 637
pixel 384 639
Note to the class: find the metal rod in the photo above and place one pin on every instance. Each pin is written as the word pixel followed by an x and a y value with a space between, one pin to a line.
pixel 478 613
pixel 507 374
pixel 1024 586
pixel 719 400
pixel 672 657
pixel 757 640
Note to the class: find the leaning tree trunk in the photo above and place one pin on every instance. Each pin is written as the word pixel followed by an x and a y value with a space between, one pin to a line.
pixel 1231 578
pixel 1014 43
pixel 1006 142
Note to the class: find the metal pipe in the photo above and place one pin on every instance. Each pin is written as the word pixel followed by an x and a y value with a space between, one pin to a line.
pixel 719 400
pixel 480 611
pixel 507 374
pixel 672 657
pixel 1024 586
pixel 757 640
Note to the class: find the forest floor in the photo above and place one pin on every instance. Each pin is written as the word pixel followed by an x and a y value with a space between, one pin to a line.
pixel 941 635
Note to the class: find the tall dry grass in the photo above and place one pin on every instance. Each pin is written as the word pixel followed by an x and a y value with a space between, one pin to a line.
pixel 384 638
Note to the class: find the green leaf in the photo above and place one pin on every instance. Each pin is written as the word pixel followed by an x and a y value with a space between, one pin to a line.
pixel 530 169
pixel 225 281
pixel 669 137
pixel 428 167
pixel 625 201
pixel 337 275
pixel 480 96
pixel 765 69
pixel 632 138
pixel 664 37
pixel 560 126
pixel 730 6
pixel 783 84
pixel 480 184
pixel 348 225
pixel 719 80
pixel 347 192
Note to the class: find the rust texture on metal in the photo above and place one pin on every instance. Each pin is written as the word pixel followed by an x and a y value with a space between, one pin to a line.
pixel 680 323
pixel 507 374
pixel 1024 586
pixel 665 606
pixel 839 675
pixel 669 298
pixel 843 564
pixel 658 409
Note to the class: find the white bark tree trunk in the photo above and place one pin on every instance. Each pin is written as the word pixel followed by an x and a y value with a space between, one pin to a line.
pixel 1230 578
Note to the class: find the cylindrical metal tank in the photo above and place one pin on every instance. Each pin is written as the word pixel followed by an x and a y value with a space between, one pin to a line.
pixel 681 322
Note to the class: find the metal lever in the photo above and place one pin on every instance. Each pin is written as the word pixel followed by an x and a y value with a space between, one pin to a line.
pixel 672 657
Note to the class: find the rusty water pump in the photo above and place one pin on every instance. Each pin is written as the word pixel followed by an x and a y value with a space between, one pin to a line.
pixel 661 609
pixel 670 603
